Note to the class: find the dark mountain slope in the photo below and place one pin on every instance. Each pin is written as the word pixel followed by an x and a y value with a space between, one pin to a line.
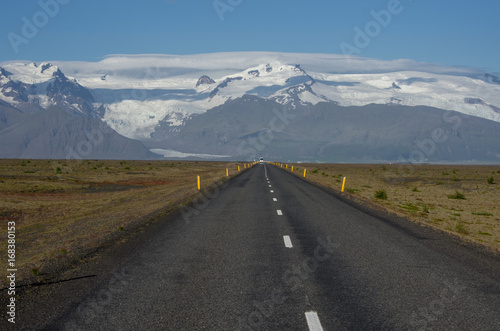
pixel 250 126
pixel 55 134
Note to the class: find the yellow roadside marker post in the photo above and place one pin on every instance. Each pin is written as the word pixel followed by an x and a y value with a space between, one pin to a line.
pixel 292 168
pixel 227 172
pixel 305 172
pixel 343 184
pixel 198 183
pixel 238 168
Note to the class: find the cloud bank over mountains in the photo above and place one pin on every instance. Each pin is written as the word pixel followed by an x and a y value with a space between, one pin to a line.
pixel 329 63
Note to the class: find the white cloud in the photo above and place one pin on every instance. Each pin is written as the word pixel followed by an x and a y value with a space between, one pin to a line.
pixel 332 63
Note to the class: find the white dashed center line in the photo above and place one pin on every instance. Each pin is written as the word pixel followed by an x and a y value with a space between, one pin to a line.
pixel 274 199
pixel 313 321
pixel 279 212
pixel 272 191
pixel 269 185
pixel 288 242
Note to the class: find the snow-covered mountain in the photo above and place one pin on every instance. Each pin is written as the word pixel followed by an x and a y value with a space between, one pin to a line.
pixel 44 85
pixel 45 114
pixel 135 94
pixel 173 102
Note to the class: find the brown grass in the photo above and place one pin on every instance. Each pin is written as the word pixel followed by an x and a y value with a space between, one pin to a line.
pixel 64 209
pixel 425 193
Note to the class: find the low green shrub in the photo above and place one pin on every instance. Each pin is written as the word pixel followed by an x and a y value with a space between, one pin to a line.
pixel 457 195
pixel 381 194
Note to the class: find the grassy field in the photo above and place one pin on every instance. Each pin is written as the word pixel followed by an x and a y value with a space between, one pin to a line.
pixel 65 209
pixel 462 200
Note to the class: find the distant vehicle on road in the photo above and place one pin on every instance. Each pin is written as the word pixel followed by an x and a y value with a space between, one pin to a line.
pixel 261 160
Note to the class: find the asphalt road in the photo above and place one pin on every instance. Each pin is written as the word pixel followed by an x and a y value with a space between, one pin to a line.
pixel 272 252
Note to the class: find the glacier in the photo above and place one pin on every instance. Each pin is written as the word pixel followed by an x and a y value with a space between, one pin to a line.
pixel 139 92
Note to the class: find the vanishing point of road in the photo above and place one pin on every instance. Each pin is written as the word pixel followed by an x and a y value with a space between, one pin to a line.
pixel 269 251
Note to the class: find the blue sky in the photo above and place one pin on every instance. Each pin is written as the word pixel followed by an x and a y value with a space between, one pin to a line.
pixel 450 32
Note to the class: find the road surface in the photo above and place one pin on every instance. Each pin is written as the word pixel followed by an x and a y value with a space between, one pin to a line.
pixel 270 251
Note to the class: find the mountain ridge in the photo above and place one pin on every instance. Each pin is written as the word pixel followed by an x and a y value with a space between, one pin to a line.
pixel 328 132
pixel 158 99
